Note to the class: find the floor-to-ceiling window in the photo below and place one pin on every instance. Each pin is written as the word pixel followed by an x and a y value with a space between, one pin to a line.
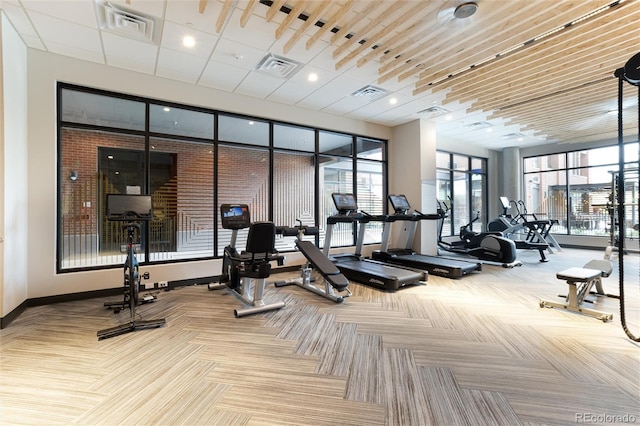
pixel 192 160
pixel 461 190
pixel 575 189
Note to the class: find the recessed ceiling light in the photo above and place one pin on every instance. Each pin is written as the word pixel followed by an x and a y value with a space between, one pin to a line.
pixel 251 123
pixel 188 41
pixel 312 77
pixel 166 109
pixel 393 101
pixel 448 117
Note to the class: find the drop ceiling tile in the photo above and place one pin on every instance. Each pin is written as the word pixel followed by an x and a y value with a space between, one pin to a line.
pixel 298 86
pixel 122 52
pixel 237 54
pixel 74 52
pixel 54 31
pixel 185 12
pixel 222 76
pixel 345 105
pixel 172 35
pixel 79 12
pixel 299 51
pixel 19 20
pixel 34 42
pixel 255 34
pixel 179 66
pixel 333 91
pixel 259 85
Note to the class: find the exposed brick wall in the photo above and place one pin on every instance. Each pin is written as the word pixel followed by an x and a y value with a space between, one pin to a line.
pixel 243 178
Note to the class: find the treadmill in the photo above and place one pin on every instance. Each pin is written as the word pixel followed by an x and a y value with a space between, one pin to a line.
pixel 436 265
pixel 354 266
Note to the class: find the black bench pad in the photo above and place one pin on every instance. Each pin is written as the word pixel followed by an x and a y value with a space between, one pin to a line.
pixel 323 265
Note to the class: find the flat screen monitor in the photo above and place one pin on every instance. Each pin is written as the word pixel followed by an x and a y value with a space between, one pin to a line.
pixel 399 203
pixel 344 202
pixel 129 207
pixel 505 202
pixel 235 216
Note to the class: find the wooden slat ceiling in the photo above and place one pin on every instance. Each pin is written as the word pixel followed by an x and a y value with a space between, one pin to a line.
pixel 546 65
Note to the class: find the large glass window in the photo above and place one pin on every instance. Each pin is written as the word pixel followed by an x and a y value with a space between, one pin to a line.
pixel 243 178
pixel 286 174
pixel 461 190
pixel 243 130
pixel 293 194
pixel 336 175
pixel 93 164
pixel 575 189
pixel 181 188
pixel 180 121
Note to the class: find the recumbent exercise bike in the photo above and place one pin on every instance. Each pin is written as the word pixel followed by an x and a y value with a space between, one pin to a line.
pixel 245 273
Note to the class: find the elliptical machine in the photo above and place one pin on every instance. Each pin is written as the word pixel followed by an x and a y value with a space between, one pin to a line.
pixel 487 246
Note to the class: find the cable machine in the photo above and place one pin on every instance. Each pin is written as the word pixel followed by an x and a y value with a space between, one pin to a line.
pixel 631 74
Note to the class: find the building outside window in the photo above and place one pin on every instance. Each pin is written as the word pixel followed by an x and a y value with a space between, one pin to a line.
pixel 461 189
pixel 575 189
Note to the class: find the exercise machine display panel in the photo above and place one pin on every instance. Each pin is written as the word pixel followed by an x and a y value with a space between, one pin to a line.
pixel 344 202
pixel 235 216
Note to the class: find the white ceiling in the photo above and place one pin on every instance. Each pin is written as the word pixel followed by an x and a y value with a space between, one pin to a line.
pixel 570 73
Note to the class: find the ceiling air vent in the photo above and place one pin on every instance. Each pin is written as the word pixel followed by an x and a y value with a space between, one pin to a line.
pixel 434 111
pixel 513 136
pixel 277 66
pixel 477 125
pixel 370 93
pixel 127 22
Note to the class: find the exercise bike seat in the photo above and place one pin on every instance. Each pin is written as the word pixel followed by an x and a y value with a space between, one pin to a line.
pixel 322 264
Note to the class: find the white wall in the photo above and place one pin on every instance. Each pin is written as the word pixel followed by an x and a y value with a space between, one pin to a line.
pixel 13 176
pixel 44 70
pixel 412 172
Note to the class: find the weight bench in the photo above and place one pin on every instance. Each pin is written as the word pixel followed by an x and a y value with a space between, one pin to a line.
pixel 581 281
pixel 334 280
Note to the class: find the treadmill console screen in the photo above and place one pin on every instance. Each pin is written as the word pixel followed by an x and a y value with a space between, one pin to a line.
pixel 505 202
pixel 399 203
pixel 235 216
pixel 344 202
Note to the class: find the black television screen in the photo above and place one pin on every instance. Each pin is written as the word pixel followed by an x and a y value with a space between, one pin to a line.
pixel 344 202
pixel 399 203
pixel 235 216
pixel 129 207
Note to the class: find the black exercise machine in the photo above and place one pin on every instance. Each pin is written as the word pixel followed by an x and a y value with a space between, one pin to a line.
pixel 130 209
pixel 354 266
pixel 486 246
pixel 246 273
pixel 527 234
pixel 332 279
pixel 405 256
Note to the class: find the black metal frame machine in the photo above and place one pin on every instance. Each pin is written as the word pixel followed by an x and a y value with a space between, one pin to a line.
pixel 406 256
pixel 246 273
pixel 130 209
pixel 354 266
